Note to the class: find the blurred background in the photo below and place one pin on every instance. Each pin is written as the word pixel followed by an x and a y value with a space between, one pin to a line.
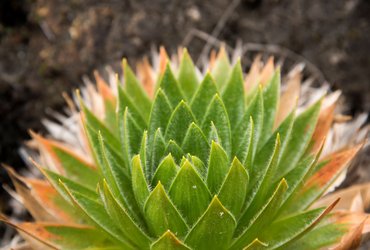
pixel 47 46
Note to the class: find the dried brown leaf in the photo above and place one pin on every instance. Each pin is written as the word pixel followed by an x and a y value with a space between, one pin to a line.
pixel 145 74
pixel 289 98
pixel 336 163
pixel 267 71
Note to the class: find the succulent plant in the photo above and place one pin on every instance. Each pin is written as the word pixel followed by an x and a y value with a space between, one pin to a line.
pixel 172 158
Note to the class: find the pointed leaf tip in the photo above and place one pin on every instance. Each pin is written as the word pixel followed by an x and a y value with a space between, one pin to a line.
pixel 189 193
pixel 169 241
pixel 139 182
pixel 161 215
pixel 222 223
pixel 187 75
pixel 234 188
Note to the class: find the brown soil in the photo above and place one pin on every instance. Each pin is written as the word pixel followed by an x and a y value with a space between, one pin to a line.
pixel 47 46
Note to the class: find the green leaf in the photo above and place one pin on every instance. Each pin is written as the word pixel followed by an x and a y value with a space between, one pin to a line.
pixel 196 162
pixel 199 165
pixel 136 92
pixel 171 87
pixel 218 167
pixel 168 241
pixel 159 115
pixel 103 163
pixel 289 229
pixel 265 159
pixel 213 230
pixel 271 96
pixel 217 114
pixel 157 151
pixel 195 142
pixel 262 188
pixel 119 179
pixel 123 134
pixel 75 168
pixel 161 215
pixel 245 148
pixel 174 149
pixel 300 136
pixel 264 217
pixel 93 138
pixel 283 131
pixel 180 120
pixel 256 111
pixel 104 159
pixel 68 236
pixel 131 135
pixel 213 135
pixel 144 153
pixel 55 179
pixel 95 124
pixel 234 189
pixel 124 101
pixel 110 117
pixel 139 183
pixel 233 95
pixel 221 69
pixel 318 238
pixel 203 97
pixel 295 178
pixel 189 193
pixel 165 172
pixel 128 227
pixel 256 244
pixel 187 75
pixel 95 211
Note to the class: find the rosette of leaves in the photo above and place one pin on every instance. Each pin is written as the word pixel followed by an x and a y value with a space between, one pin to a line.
pixel 175 159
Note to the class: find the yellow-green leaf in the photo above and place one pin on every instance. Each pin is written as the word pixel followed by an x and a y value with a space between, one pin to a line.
pixel 189 193
pixel 170 87
pixel 300 136
pixel 216 114
pixel 124 101
pixel 159 115
pixel 168 241
pixel 135 90
pixel 173 148
pixel 256 111
pixel 157 150
pixel 271 95
pixel 180 120
pixel 218 167
pixel 203 97
pixel 95 211
pixel 95 124
pixel 165 172
pixel 233 95
pixel 161 215
pixel 262 219
pixel 195 142
pixel 221 69
pixel 187 76
pixel 234 189
pixel 119 179
pixel 139 182
pixel 213 230
pixel 125 223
